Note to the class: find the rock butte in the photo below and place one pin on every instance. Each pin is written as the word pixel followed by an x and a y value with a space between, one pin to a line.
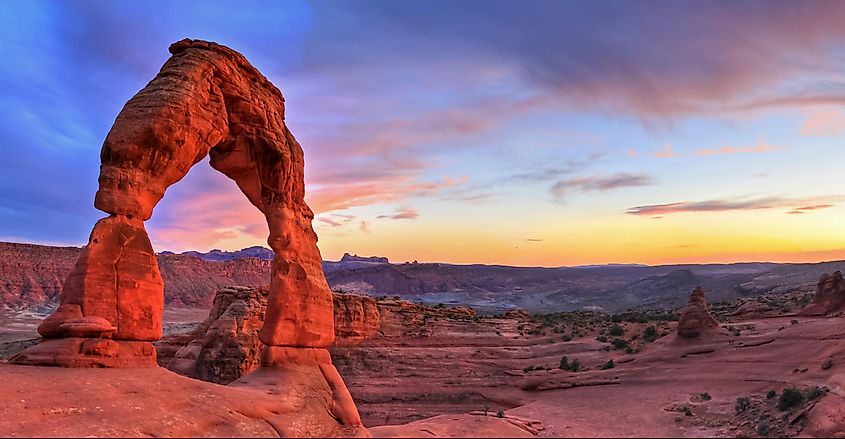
pixel 695 318
pixel 207 100
pixel 829 297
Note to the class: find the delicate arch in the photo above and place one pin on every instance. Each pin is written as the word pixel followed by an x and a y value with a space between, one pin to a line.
pixel 207 100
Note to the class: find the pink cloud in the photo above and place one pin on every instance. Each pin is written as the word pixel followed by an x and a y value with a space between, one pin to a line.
pixel 665 152
pixel 402 213
pixel 761 146
pixel 825 122
pixel 797 205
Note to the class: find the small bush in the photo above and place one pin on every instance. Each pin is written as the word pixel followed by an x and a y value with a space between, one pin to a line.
pixel 619 343
pixel 771 395
pixel 763 429
pixel 705 396
pixel 564 363
pixel 790 398
pixel 608 365
pixel 567 338
pixel 742 404
pixel 602 339
pixel 500 414
pixel 575 366
pixel 650 334
pixel 616 331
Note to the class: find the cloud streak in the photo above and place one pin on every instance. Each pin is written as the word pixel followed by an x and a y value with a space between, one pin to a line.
pixel 404 213
pixel 599 183
pixel 800 205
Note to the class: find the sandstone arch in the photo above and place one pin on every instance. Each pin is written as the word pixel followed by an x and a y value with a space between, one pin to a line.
pixel 207 100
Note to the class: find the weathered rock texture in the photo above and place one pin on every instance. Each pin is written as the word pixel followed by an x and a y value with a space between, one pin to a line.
pixel 829 297
pixel 207 100
pixel 356 317
pixel 695 318
pixel 226 345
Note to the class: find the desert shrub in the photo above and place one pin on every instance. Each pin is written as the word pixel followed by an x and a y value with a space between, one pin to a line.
pixel 772 394
pixel 705 396
pixel 763 429
pixel 575 366
pixel 608 365
pixel 500 414
pixel 564 363
pixel 742 404
pixel 602 339
pixel 650 334
pixel 616 331
pixel 619 343
pixel 790 398
pixel 567 338
pixel 815 392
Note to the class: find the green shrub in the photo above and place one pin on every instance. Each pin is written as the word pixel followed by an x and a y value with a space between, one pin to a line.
pixel 772 394
pixel 763 429
pixel 500 414
pixel 742 404
pixel 790 398
pixel 567 338
pixel 608 365
pixel 575 366
pixel 564 363
pixel 650 334
pixel 705 396
pixel 602 339
pixel 619 343
pixel 616 331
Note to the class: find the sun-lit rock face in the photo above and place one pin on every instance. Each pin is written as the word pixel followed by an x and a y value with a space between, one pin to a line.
pixel 207 100
pixel 695 318
pixel 829 297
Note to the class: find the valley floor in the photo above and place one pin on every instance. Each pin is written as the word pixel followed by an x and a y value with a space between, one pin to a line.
pixel 465 366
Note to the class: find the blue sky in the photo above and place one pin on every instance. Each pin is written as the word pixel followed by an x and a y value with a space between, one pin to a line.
pixel 520 132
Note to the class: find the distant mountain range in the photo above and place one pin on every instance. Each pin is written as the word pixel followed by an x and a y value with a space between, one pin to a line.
pixel 31 276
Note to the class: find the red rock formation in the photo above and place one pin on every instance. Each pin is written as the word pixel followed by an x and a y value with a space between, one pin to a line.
pixel 695 318
pixel 829 297
pixel 225 346
pixel 206 101
pixel 33 275
pixel 355 317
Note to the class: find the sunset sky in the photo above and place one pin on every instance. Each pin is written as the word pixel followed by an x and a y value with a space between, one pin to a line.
pixel 510 132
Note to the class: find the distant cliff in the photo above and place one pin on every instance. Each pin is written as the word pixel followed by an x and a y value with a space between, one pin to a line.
pixel 32 275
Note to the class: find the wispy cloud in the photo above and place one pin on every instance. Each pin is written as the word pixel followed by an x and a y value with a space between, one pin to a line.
pixel 761 146
pixel 735 205
pixel 805 209
pixel 665 152
pixel 402 213
pixel 364 226
pixel 824 122
pixel 599 183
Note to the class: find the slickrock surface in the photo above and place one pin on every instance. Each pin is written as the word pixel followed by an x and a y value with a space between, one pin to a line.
pixel 829 297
